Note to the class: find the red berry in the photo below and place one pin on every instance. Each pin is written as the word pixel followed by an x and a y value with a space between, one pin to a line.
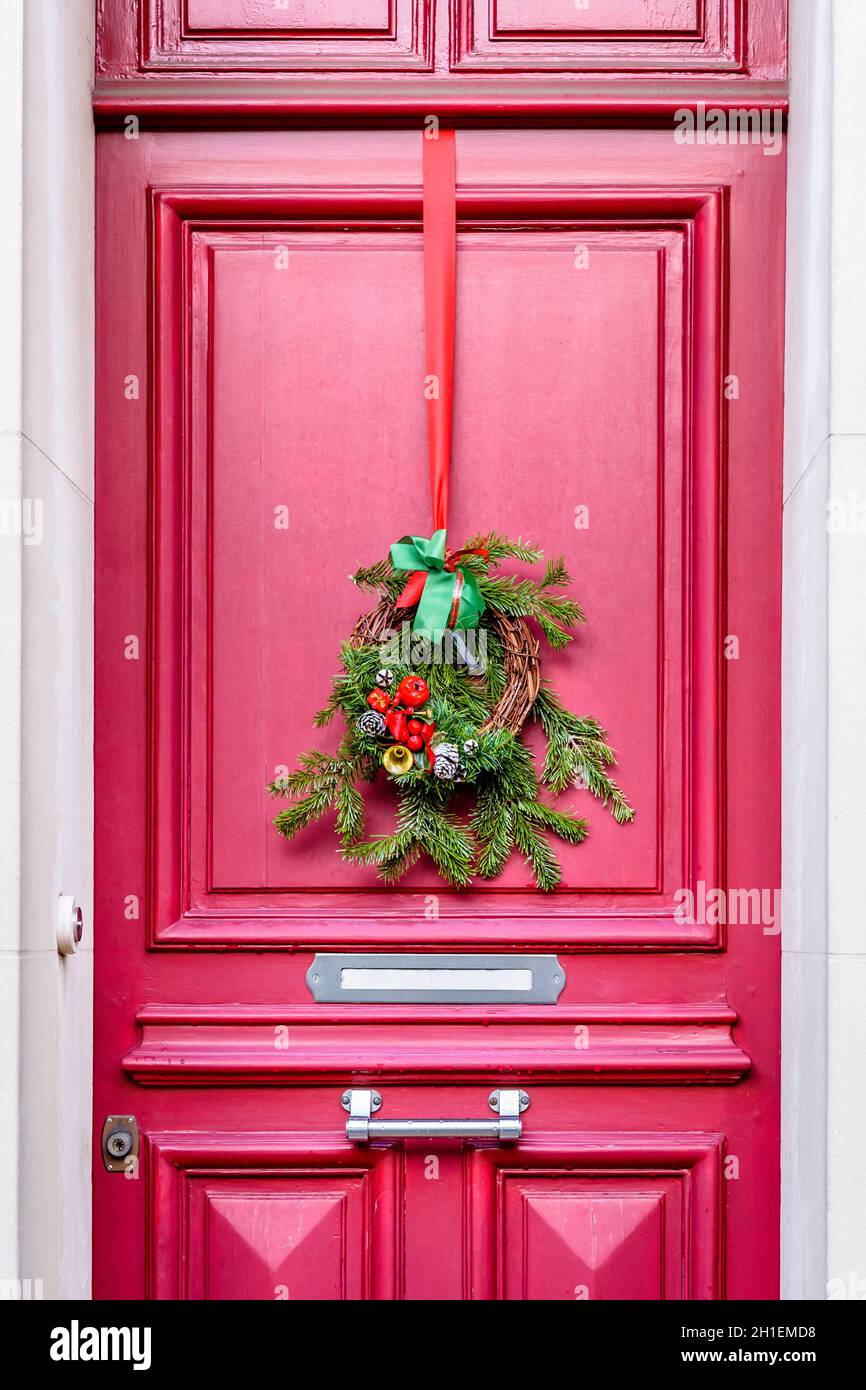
pixel 415 742
pixel 413 691
pixel 416 726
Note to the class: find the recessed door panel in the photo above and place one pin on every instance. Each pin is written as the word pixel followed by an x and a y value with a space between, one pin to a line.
pixel 587 414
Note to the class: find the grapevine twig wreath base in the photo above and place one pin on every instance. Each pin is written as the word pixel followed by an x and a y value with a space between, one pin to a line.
pixel 522 669
pixel 439 729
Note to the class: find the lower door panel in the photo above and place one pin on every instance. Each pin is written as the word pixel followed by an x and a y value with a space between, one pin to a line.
pixel 562 1214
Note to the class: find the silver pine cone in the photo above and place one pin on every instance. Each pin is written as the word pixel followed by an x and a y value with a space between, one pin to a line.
pixel 372 723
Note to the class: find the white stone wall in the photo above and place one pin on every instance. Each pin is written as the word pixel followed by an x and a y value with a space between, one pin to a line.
pixel 11 550
pixel 846 933
pixel 46 620
pixel 824 677
pixel 46 450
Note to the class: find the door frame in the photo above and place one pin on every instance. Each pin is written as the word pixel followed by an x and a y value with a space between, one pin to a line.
pixel 817 66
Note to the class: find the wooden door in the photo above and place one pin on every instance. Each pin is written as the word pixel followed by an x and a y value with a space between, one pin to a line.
pixel 619 396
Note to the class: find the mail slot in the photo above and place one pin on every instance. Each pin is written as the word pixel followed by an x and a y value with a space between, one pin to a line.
pixel 435 979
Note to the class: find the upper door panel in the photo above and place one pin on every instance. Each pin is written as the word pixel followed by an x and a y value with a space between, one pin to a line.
pixel 289 36
pixel 280 327
pixel 394 57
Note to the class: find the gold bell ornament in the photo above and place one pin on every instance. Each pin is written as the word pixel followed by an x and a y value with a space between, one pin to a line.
pixel 397 760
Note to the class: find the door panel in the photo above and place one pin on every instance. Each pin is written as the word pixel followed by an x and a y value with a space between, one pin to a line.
pixel 565 1215
pixel 295 36
pixel 605 16
pixel 602 415
pixel 432 53
pixel 607 34
pixel 612 1216
pixel 371 15
pixel 281 431
pixel 240 1216
pixel 259 345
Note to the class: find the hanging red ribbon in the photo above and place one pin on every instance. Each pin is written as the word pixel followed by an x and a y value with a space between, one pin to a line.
pixel 444 594
pixel 440 302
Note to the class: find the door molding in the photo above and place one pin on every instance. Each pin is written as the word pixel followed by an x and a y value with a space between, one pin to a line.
pixel 186 909
pixel 594 1045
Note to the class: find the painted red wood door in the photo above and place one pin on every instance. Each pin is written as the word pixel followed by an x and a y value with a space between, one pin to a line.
pixel 261 434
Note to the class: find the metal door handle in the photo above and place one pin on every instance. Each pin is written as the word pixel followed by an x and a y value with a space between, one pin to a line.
pixel 361 1127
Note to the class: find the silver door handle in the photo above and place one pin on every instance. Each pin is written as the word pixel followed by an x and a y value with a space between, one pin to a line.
pixel 361 1127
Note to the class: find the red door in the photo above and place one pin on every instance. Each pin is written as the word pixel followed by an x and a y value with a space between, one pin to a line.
pixel 261 434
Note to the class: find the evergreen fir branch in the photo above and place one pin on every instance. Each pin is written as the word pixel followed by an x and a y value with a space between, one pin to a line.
pixel 452 694
pixel 392 868
pixel 493 829
pixel 556 575
pixel 350 688
pixel 379 578
pixel 351 816
pixel 563 610
pixel 536 849
pixel 562 823
pixel 335 704
pixel 501 548
pixel 293 784
pixel 524 598
pixel 421 827
pixel 303 813
pixel 392 855
pixel 316 769
pixel 499 824
pixel 328 783
pixel 447 843
pixel 578 753
pixel 506 768
pixel 553 635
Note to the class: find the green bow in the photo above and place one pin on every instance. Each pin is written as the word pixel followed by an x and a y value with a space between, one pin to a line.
pixel 437 585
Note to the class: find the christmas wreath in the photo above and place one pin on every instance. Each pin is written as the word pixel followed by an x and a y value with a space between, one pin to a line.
pixel 439 681
pixel 454 723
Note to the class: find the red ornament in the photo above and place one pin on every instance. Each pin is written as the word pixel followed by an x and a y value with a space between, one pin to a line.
pixel 413 691
pixel 415 742
pixel 378 700
pixel 416 726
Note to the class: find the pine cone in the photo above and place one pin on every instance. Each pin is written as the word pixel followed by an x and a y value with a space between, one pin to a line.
pixel 447 761
pixel 372 723
pixel 445 769
pixel 449 751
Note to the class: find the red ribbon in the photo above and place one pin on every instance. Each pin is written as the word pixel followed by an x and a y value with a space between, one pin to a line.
pixel 440 308
pixel 440 301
